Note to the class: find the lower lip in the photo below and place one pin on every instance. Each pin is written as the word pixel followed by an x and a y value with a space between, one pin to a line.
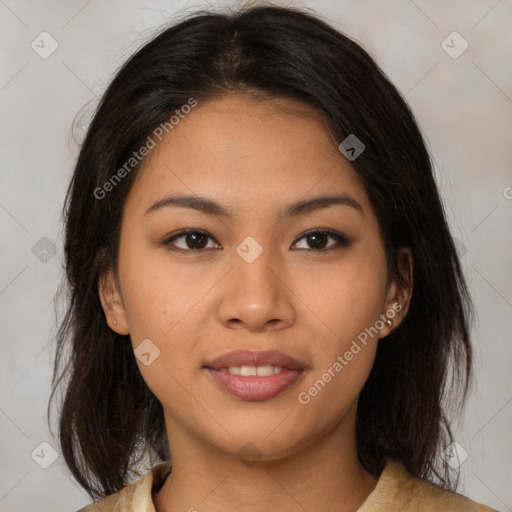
pixel 254 387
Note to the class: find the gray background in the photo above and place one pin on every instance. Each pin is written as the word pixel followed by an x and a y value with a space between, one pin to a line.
pixel 462 104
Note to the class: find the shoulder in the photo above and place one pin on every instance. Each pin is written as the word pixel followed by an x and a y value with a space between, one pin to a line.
pixel 135 496
pixel 112 502
pixel 398 490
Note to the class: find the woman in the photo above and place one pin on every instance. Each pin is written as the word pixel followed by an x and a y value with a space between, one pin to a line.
pixel 265 295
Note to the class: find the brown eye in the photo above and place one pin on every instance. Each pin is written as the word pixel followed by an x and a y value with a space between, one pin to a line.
pixel 192 240
pixel 318 240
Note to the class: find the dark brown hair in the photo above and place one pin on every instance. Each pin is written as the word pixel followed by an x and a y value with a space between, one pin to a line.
pixel 109 417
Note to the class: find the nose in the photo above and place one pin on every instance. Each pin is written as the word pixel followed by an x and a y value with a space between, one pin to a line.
pixel 256 296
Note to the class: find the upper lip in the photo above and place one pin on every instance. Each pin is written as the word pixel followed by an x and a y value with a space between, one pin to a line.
pixel 251 358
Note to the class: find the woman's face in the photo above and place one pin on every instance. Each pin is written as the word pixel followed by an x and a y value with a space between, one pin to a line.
pixel 252 279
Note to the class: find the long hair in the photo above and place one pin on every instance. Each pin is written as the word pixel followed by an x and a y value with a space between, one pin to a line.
pixel 109 417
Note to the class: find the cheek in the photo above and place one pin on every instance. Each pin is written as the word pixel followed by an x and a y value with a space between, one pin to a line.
pixel 161 306
pixel 155 294
pixel 344 347
pixel 348 296
pixel 168 305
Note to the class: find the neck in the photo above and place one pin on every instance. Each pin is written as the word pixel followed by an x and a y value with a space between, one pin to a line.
pixel 323 475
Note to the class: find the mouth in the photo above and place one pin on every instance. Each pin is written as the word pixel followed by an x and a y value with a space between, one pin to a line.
pixel 255 376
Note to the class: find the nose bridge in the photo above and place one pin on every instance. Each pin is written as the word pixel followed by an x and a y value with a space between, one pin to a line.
pixel 253 269
pixel 256 294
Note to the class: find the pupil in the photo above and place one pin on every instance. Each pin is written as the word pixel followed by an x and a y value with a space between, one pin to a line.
pixel 194 237
pixel 316 244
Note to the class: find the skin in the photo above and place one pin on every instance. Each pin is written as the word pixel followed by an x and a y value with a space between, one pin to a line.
pixel 254 157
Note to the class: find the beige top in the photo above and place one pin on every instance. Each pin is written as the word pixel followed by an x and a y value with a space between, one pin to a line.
pixel 396 491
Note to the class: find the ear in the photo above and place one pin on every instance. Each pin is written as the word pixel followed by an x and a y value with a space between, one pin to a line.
pixel 112 302
pixel 398 297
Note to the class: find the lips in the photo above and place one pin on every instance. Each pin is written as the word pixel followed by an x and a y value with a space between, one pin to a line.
pixel 251 385
pixel 250 358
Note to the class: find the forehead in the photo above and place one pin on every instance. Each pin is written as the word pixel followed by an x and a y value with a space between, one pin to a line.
pixel 249 151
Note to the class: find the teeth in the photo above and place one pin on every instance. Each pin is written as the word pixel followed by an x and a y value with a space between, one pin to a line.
pixel 248 371
pixel 265 371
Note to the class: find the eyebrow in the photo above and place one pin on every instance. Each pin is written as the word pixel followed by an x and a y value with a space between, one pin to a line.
pixel 210 207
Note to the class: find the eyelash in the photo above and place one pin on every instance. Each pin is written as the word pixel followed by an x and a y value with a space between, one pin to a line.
pixel 341 240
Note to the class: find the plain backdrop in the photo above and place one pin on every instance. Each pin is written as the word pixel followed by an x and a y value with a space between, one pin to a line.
pixel 462 98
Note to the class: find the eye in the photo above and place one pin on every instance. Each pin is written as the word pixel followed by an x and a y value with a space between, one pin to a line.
pixel 193 240
pixel 318 239
pixel 196 240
